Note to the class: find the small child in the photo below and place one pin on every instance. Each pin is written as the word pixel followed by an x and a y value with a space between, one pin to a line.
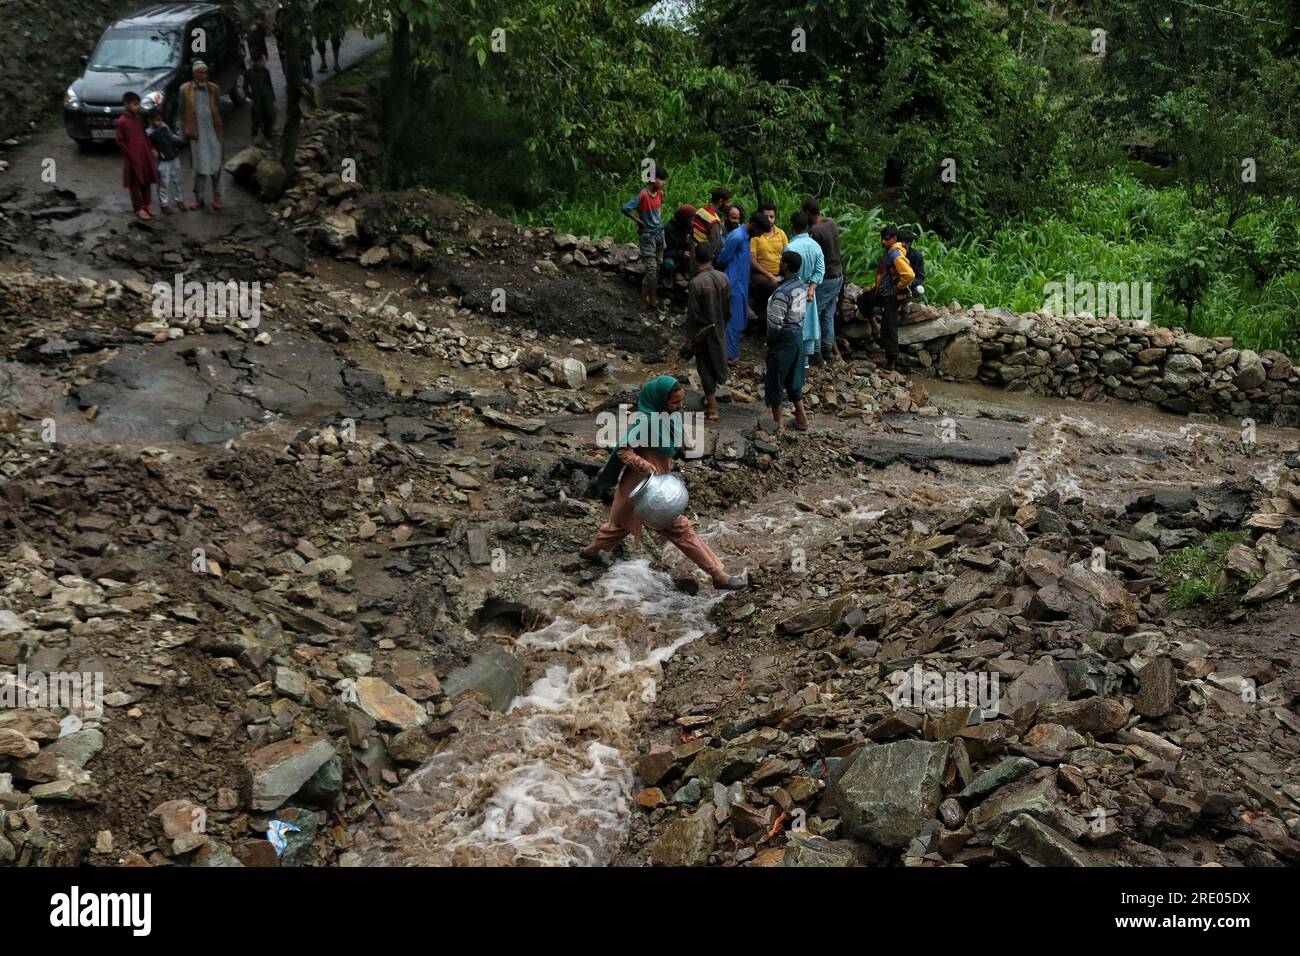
pixel 167 147
pixel 263 96
pixel 139 166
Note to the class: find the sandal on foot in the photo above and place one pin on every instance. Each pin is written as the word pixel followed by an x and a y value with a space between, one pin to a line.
pixel 732 583
pixel 603 558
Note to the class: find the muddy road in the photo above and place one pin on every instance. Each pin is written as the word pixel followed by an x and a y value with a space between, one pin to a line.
pixel 84 201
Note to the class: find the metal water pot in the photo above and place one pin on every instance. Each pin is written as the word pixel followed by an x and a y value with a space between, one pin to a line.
pixel 658 500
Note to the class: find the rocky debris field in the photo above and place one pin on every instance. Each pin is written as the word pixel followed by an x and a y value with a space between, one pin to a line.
pixel 312 553
pixel 862 727
pixel 276 543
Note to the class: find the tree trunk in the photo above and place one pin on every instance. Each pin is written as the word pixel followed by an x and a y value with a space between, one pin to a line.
pixel 291 57
pixel 399 76
pixel 753 178
pixel 398 97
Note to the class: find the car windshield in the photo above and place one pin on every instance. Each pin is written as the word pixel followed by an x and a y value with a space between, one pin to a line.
pixel 136 50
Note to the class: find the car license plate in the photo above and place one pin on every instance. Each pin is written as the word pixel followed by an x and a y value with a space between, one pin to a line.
pixel 103 133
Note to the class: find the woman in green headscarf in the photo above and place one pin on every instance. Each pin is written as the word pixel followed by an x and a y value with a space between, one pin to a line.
pixel 652 440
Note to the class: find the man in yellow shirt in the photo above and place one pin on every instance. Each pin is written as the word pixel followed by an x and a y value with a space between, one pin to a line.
pixel 893 285
pixel 765 261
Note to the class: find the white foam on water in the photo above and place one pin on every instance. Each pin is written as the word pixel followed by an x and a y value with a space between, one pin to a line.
pixel 548 782
pixel 1044 466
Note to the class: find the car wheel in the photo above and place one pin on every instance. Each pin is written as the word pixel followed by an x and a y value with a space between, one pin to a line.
pixel 239 92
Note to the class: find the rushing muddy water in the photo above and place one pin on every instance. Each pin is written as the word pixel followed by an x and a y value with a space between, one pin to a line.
pixel 549 781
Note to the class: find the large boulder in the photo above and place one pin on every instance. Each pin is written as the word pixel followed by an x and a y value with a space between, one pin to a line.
pixel 1035 795
pixel 244 163
pixel 269 177
pixel 939 328
pixel 278 771
pixel 1095 599
pixel 969 586
pixel 887 791
pixel 686 841
pixel 1098 716
pixel 1250 371
pixel 815 851
pixel 962 358
pixel 387 706
pixel 337 231
pixel 813 617
pixel 1157 688
pixel 1043 680
pixel 1035 844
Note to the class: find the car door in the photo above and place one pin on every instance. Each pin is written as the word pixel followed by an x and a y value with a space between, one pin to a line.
pixel 219 47
pixel 234 44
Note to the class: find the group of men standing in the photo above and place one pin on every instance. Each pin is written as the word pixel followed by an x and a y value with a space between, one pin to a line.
pixel 752 269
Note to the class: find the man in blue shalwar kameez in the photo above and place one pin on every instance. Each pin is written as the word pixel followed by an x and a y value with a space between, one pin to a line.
pixel 734 260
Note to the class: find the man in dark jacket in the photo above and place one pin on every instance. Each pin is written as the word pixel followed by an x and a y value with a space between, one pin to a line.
pixel 827 235
pixel 708 307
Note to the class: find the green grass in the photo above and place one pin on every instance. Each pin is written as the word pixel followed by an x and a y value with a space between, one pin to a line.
pixel 1115 230
pixel 1192 574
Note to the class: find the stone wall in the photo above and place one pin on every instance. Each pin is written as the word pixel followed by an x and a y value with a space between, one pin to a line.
pixel 1089 358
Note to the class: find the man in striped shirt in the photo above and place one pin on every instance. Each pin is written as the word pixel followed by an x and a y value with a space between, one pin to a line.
pixel 708 225
pixel 644 209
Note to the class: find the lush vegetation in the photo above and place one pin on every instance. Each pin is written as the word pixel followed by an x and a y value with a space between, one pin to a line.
pixel 1195 574
pixel 1128 140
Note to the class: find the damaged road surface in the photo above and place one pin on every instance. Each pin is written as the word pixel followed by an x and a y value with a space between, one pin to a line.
pixel 208 388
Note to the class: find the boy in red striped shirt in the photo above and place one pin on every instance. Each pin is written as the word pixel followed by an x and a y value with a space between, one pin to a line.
pixel 644 209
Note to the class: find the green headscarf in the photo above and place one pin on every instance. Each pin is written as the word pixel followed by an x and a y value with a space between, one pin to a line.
pixel 641 429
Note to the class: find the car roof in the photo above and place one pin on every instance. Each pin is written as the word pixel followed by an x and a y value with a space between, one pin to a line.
pixel 166 13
